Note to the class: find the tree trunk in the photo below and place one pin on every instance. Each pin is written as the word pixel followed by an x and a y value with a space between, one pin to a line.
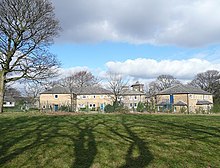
pixel 2 90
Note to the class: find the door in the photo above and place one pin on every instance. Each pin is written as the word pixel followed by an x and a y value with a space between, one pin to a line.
pixel 171 99
pixel 56 107
pixel 102 107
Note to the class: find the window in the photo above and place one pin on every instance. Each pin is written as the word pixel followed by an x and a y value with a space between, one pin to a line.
pixel 10 103
pixel 90 105
pixel 93 105
pixel 56 96
pixel 84 97
pixel 94 96
pixel 135 97
pixel 131 104
pixel 102 96
pixel 135 104
pixel 130 97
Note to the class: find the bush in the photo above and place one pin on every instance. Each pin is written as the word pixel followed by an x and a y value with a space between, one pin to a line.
pixel 200 110
pixel 64 108
pixel 140 107
pixel 109 108
pixel 215 108
pixel 183 110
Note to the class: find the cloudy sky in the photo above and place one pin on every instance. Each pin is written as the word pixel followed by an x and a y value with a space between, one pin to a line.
pixel 139 38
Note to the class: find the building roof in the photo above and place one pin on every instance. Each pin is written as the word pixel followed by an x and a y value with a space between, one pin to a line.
pixel 203 102
pixel 137 84
pixel 131 92
pixel 56 90
pixel 180 103
pixel 77 90
pixel 183 89
pixel 163 103
pixel 9 99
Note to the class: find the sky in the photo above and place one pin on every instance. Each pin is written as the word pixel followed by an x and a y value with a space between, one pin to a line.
pixel 141 39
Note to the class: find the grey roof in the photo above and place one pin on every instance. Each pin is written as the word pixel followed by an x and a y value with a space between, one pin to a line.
pixel 56 90
pixel 203 102
pixel 180 103
pixel 77 90
pixel 92 90
pixel 163 103
pixel 9 99
pixel 181 89
pixel 131 92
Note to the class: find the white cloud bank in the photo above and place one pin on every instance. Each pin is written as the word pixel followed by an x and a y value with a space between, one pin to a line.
pixel 142 68
pixel 188 23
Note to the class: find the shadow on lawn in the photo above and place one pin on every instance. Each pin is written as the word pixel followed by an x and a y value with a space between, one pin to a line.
pixel 85 147
pixel 24 134
pixel 138 154
pixel 17 132
pixel 145 156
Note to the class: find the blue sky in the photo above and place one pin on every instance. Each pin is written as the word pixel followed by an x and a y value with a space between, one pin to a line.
pixel 176 37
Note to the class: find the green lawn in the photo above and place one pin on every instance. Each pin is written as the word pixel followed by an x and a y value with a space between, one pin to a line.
pixel 116 140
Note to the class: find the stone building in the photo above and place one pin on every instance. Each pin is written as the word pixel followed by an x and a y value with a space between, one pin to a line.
pixel 181 97
pixel 92 98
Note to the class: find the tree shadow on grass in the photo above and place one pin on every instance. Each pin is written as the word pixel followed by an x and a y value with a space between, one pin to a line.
pixel 21 130
pixel 138 154
pixel 85 148
pixel 144 157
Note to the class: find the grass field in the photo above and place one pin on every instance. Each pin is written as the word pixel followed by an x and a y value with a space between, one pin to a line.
pixel 116 140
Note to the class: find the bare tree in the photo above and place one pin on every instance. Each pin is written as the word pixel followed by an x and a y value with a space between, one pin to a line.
pixel 208 81
pixel 32 91
pixel 27 28
pixel 76 82
pixel 116 83
pixel 162 82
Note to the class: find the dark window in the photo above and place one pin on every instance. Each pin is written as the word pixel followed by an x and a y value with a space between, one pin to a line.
pixel 55 96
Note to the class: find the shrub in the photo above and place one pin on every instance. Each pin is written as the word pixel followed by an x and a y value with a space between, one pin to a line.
pixel 200 110
pixel 215 108
pixel 183 110
pixel 64 108
pixel 140 107
pixel 109 108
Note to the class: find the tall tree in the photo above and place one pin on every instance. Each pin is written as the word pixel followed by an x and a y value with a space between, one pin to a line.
pixel 162 82
pixel 27 28
pixel 116 83
pixel 208 81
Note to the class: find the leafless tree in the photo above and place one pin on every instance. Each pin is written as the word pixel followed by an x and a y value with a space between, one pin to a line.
pixel 76 82
pixel 27 28
pixel 116 83
pixel 32 91
pixel 162 82
pixel 208 81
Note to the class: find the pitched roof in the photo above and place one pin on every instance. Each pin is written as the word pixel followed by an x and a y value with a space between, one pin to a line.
pixel 180 103
pixel 203 102
pixel 9 99
pixel 181 89
pixel 77 90
pixel 56 90
pixel 131 92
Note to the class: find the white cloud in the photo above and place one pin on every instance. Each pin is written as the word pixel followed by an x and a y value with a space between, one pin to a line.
pixel 179 22
pixel 142 68
pixel 64 72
